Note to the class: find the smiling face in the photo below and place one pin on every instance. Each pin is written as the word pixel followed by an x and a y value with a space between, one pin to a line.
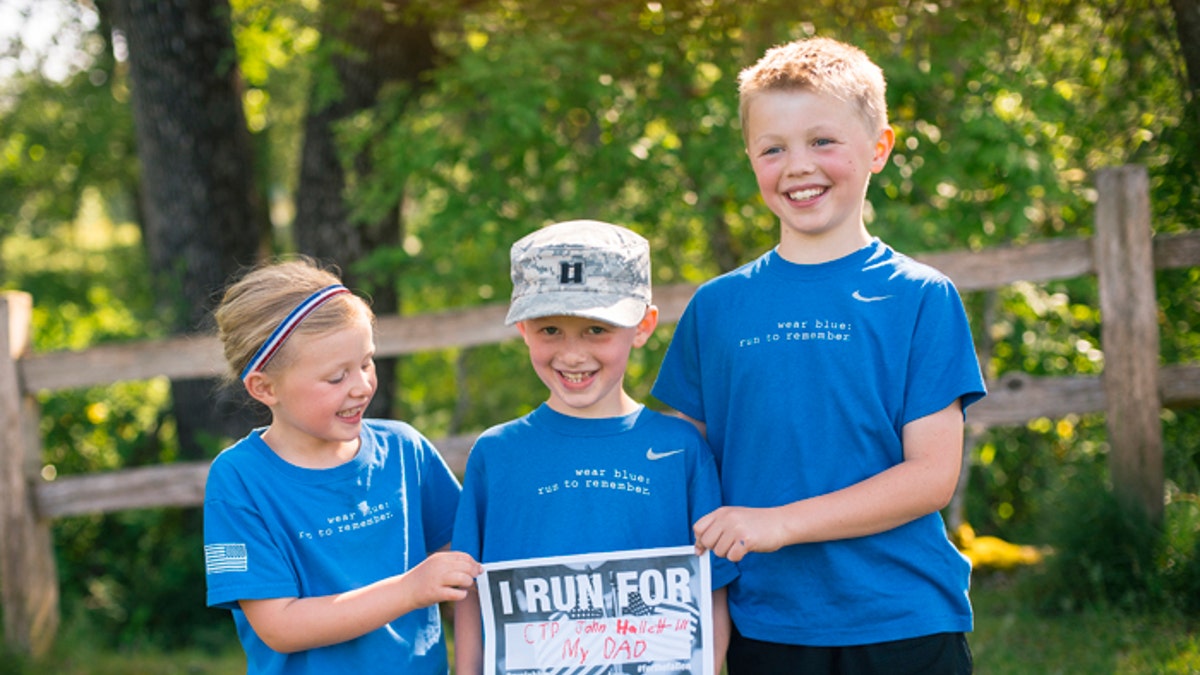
pixel 813 155
pixel 318 392
pixel 582 361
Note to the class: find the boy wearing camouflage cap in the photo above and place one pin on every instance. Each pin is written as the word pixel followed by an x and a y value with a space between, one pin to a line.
pixel 581 301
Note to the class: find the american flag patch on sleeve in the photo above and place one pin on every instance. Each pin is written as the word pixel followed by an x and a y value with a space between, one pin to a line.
pixel 220 558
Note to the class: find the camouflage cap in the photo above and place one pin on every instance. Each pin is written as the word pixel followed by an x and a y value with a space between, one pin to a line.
pixel 581 268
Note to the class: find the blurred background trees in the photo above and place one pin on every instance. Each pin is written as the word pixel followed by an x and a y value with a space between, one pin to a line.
pixel 151 148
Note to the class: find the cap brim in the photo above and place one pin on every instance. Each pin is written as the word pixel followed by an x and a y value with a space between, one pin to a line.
pixel 617 310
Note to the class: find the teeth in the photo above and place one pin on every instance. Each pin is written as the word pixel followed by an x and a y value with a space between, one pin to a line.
pixel 574 378
pixel 808 193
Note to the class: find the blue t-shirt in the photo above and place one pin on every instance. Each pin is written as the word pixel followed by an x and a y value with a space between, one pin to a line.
pixel 276 530
pixel 548 484
pixel 805 376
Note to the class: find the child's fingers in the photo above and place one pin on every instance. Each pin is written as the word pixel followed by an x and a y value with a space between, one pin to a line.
pixel 725 546
pixel 712 537
pixel 459 577
pixel 724 533
pixel 460 561
pixel 704 522
pixel 704 531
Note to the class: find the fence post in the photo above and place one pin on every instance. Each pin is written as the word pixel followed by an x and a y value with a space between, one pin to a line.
pixel 28 575
pixel 1124 259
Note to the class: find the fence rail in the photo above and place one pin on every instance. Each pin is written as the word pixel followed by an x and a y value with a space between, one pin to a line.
pixel 200 356
pixel 1122 254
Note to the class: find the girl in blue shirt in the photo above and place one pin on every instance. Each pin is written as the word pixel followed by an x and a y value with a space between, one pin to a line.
pixel 322 530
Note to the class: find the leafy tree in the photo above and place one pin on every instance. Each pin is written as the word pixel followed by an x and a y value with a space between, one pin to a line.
pixel 201 212
pixel 365 47
pixel 63 138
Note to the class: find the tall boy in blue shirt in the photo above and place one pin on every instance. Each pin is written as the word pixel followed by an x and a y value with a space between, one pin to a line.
pixel 831 377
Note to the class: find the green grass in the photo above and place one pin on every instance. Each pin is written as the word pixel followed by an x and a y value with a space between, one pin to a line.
pixel 1009 639
pixel 69 661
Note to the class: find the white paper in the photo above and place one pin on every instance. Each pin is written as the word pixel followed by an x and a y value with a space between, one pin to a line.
pixel 627 612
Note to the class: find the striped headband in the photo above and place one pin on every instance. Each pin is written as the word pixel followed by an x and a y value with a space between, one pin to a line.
pixel 285 328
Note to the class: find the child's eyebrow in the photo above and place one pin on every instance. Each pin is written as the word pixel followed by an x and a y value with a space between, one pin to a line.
pixel 763 142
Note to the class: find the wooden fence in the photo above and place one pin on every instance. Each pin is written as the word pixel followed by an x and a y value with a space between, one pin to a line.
pixel 1123 255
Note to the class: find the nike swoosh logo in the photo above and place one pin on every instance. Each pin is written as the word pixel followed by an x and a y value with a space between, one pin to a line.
pixel 868 298
pixel 652 455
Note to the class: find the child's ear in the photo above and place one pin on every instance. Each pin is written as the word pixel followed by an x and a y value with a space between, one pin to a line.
pixel 883 148
pixel 646 326
pixel 260 387
pixel 523 329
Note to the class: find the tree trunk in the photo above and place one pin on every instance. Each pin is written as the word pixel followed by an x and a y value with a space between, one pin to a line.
pixel 203 216
pixel 372 48
pixel 1187 27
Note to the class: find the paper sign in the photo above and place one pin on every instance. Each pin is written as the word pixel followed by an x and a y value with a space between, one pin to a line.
pixel 644 611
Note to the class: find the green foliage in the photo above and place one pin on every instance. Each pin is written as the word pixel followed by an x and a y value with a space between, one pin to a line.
pixel 549 111
pixel 1016 471
pixel 1181 443
pixel 588 124
pixel 1179 562
pixel 11 662
pixel 275 40
pixel 1104 553
pixel 81 653
pixel 137 579
pixel 1012 639
pixel 1109 555
pixel 62 139
pixel 129 577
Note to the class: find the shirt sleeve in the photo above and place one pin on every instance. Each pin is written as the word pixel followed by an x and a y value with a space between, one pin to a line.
pixel 679 377
pixel 440 494
pixel 468 522
pixel 241 560
pixel 943 358
pixel 705 491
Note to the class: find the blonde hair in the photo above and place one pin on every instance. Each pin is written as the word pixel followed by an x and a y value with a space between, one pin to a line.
pixel 821 65
pixel 254 305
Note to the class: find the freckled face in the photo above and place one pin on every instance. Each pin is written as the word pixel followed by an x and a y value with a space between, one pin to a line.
pixel 813 155
pixel 582 362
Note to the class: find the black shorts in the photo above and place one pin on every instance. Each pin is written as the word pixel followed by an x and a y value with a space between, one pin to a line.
pixel 939 654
